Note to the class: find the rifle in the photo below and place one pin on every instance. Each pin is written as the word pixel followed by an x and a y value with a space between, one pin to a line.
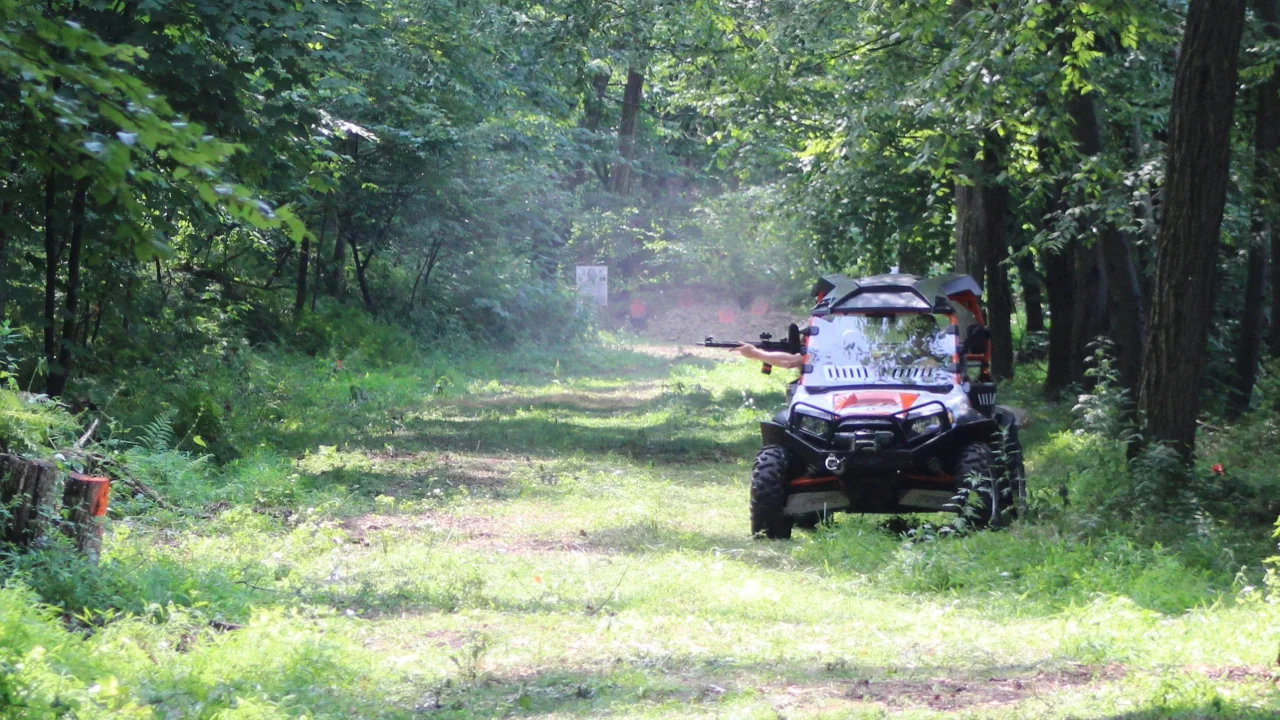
pixel 793 344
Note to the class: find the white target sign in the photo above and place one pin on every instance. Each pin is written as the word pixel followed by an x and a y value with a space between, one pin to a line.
pixel 593 284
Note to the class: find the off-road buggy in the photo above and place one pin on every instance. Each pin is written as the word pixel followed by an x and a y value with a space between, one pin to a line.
pixel 895 411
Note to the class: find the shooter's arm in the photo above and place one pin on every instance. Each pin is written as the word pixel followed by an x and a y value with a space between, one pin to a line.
pixel 770 357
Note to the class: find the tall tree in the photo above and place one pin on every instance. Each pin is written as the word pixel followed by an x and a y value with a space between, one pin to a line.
pixel 1196 173
pixel 1032 290
pixel 982 247
pixel 620 180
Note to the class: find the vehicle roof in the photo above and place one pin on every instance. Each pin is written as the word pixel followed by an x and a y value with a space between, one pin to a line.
pixel 894 292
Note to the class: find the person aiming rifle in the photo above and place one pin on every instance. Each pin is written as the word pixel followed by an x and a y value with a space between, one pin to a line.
pixel 783 354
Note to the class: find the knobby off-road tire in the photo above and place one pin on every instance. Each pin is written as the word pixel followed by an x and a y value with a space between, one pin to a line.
pixel 979 498
pixel 775 467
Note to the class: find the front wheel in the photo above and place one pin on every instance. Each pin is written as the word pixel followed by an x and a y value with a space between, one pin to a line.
pixel 773 472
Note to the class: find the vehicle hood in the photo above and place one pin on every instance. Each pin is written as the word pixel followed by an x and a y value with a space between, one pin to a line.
pixel 876 401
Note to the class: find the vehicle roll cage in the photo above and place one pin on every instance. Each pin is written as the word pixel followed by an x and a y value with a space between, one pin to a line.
pixel 839 294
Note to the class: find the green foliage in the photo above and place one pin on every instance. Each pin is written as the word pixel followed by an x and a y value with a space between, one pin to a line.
pixel 49 671
pixel 32 424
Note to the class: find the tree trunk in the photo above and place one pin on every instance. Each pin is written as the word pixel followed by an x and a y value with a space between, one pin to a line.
pixel 6 209
pixel 1089 317
pixel 318 262
pixel 1196 174
pixel 971 231
pixel 592 114
pixel 1032 295
pixel 59 377
pixel 1124 305
pixel 1249 341
pixel 97 318
pixel 982 247
pixel 304 256
pixel 126 312
pixel 999 295
pixel 1267 162
pixel 338 265
pixel 27 490
pixel 1266 138
pixel 1146 209
pixel 620 180
pixel 1060 292
pixel 1000 309
pixel 424 272
pixel 51 261
pixel 84 504
pixel 1123 290
pixel 363 281
pixel 338 268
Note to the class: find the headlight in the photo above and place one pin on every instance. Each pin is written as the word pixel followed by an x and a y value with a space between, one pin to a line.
pixel 927 424
pixel 816 426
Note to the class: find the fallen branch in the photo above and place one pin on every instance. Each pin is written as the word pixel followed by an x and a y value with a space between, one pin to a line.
pixel 120 474
pixel 129 481
pixel 93 427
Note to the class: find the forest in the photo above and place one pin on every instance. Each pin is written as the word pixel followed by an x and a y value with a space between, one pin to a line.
pixel 298 278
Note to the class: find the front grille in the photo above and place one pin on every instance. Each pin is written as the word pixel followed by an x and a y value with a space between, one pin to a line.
pixel 866 424
pixel 868 435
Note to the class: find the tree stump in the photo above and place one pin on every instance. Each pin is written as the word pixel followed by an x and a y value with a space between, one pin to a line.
pixel 84 503
pixel 27 490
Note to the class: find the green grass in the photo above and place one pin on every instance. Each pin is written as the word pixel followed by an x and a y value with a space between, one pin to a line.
pixel 569 539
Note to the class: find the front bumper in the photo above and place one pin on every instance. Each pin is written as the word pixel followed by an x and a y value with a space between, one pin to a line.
pixel 932 456
pixel 866 443
pixel 842 460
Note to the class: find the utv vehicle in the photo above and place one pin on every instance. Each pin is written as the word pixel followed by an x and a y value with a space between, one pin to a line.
pixel 894 412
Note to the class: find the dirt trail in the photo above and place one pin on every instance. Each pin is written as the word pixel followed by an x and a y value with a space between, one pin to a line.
pixel 582 581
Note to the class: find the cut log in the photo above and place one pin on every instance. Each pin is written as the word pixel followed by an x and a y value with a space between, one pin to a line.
pixel 27 490
pixel 84 504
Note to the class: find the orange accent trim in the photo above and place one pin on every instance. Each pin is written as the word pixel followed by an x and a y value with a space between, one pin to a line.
pixel 939 478
pixel 807 481
pixel 874 398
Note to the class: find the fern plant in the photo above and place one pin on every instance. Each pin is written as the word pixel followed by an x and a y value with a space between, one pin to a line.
pixel 158 435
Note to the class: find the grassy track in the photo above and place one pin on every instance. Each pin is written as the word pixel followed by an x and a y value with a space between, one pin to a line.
pixel 572 542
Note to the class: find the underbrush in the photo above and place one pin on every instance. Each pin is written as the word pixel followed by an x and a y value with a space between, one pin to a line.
pixel 274 666
pixel 1034 568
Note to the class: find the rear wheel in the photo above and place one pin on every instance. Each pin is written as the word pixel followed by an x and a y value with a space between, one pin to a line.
pixel 979 498
pixel 775 468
